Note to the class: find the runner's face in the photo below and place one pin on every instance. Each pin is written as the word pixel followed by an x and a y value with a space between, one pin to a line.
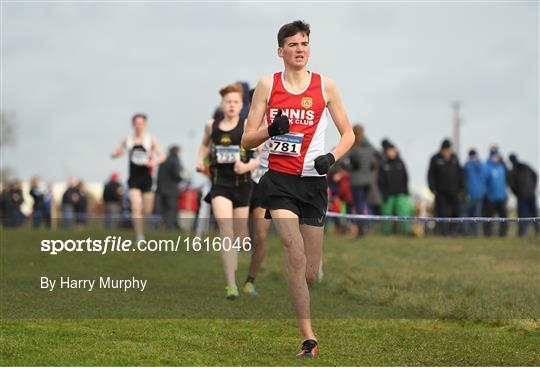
pixel 295 51
pixel 231 104
pixel 139 125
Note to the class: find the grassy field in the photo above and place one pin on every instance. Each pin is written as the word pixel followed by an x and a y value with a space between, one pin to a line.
pixel 383 301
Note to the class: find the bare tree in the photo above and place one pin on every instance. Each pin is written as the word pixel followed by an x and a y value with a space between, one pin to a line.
pixel 7 139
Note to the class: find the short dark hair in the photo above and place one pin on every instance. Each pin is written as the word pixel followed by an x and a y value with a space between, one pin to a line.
pixel 174 150
pixel 290 29
pixel 446 144
pixel 136 116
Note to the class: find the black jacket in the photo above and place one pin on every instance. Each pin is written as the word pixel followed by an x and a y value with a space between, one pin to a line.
pixel 14 199
pixel 81 202
pixel 70 196
pixel 112 192
pixel 393 178
pixel 39 198
pixel 445 176
pixel 169 176
pixel 523 180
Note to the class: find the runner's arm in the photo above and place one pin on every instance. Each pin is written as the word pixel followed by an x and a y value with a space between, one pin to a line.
pixel 160 156
pixel 253 163
pixel 242 168
pixel 256 162
pixel 119 151
pixel 340 118
pixel 204 148
pixel 256 133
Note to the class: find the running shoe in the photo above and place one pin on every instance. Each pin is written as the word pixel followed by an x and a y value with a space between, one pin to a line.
pixel 231 292
pixel 249 288
pixel 309 349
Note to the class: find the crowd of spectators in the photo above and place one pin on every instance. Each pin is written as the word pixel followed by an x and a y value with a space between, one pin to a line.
pixel 366 181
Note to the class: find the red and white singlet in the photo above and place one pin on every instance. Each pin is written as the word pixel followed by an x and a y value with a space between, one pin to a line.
pixel 295 152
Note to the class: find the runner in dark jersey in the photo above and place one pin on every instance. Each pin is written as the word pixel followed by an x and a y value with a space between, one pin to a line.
pixel 144 153
pixel 231 183
pixel 294 106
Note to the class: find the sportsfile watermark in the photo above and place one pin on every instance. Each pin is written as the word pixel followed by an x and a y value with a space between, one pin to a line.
pixel 93 272
pixel 118 244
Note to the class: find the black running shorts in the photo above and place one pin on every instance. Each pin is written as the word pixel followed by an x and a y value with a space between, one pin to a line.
pixel 239 195
pixel 305 196
pixel 143 183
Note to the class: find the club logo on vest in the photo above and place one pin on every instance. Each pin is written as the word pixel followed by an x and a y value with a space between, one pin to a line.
pixel 225 139
pixel 307 102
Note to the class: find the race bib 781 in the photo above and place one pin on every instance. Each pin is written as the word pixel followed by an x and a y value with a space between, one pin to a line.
pixel 288 144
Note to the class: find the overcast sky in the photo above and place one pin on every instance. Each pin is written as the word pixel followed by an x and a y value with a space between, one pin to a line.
pixel 74 73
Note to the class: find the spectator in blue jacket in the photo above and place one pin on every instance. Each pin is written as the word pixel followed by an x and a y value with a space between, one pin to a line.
pixel 496 196
pixel 475 179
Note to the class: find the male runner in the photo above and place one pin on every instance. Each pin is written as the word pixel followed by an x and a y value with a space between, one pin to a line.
pixel 260 225
pixel 144 152
pixel 294 105
pixel 231 182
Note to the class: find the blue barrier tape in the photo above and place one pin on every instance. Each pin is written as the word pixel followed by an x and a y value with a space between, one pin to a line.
pixel 430 219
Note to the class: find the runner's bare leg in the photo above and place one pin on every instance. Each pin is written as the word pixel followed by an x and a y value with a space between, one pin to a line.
pixel 135 200
pixel 288 229
pixel 260 231
pixel 148 204
pixel 223 211
pixel 313 237
pixel 240 227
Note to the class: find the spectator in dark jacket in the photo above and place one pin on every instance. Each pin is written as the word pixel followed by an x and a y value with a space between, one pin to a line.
pixel 496 196
pixel 361 162
pixel 38 195
pixel 48 206
pixel 112 201
pixel 80 204
pixel 394 186
pixel 475 179
pixel 3 204
pixel 69 198
pixel 13 200
pixel 445 180
pixel 167 187
pixel 523 181
pixel 374 197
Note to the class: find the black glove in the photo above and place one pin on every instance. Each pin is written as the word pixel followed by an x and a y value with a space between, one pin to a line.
pixel 280 125
pixel 323 163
